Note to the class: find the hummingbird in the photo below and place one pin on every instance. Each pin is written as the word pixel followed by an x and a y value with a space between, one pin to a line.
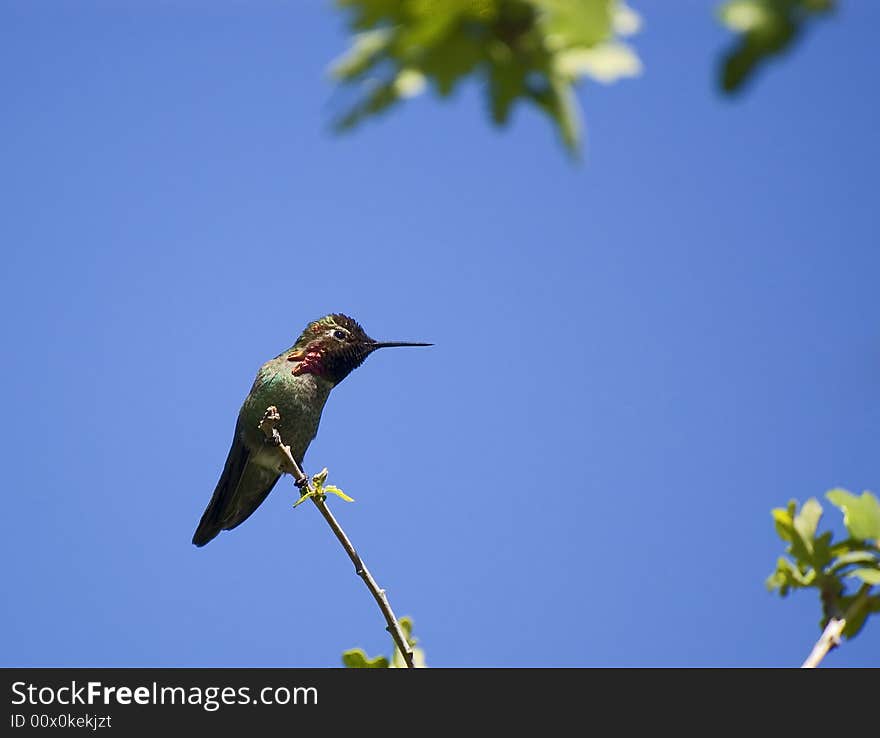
pixel 298 382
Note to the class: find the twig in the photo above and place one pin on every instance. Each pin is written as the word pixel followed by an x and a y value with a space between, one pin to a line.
pixel 267 426
pixel 831 635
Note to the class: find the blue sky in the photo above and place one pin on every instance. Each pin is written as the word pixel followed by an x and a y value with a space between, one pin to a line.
pixel 635 360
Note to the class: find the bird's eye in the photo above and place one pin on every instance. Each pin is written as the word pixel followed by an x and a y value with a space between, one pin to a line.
pixel 341 335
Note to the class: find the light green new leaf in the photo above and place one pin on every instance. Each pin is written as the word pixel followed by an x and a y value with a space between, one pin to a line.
pixel 569 23
pixel 397 662
pixel 365 51
pixel 783 519
pixel 854 557
pixel 800 547
pixel 807 520
pixel 356 658
pixel 868 576
pixel 333 490
pixel 861 515
pixel 788 576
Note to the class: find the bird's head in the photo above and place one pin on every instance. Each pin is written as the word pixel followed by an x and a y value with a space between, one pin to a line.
pixel 333 346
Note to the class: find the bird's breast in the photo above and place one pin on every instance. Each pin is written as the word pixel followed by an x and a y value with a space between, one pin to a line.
pixel 300 401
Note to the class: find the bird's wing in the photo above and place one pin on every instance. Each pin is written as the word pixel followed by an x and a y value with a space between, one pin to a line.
pixel 242 488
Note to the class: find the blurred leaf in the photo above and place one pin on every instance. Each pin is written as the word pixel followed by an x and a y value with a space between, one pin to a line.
pixel 868 576
pixel 765 28
pixel 787 577
pixel 855 623
pixel 507 82
pixel 800 547
pixel 807 520
pixel 861 515
pixel 530 50
pixel 783 519
pixel 853 557
pixel 568 23
pixel 356 658
pixel 626 21
pixel 452 59
pixel 605 63
pixel 559 101
pixel 365 51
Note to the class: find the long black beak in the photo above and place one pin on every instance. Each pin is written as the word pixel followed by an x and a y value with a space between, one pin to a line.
pixel 392 344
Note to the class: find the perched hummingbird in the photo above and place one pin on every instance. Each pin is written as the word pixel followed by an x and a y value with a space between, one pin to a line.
pixel 298 382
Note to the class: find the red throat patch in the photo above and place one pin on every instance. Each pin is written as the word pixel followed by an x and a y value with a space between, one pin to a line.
pixel 309 362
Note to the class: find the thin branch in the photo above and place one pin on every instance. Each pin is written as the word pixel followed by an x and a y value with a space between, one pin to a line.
pixel 834 630
pixel 267 426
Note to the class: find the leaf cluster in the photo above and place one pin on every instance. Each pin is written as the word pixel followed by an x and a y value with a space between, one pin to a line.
pixel 521 50
pixel 356 658
pixel 815 561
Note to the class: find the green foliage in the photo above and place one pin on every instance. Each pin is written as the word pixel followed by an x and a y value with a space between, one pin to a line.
pixel 529 50
pixel 861 515
pixel 764 28
pixel 356 658
pixel 835 569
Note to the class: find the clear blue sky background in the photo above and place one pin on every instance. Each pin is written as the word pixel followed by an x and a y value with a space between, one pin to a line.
pixel 636 358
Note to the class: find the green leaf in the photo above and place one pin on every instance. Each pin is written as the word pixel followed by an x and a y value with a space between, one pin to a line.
pixel 807 520
pixel 605 63
pixel 861 515
pixel 565 110
pixel 801 548
pixel 764 28
pixel 451 60
pixel 821 551
pixel 569 23
pixel 518 49
pixel 368 13
pixel 855 623
pixel 853 557
pixel 788 576
pixel 356 658
pixel 397 662
pixel 868 576
pixel 332 490
pixel 366 50
pixel 507 82
pixel 559 101
pixel 783 519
